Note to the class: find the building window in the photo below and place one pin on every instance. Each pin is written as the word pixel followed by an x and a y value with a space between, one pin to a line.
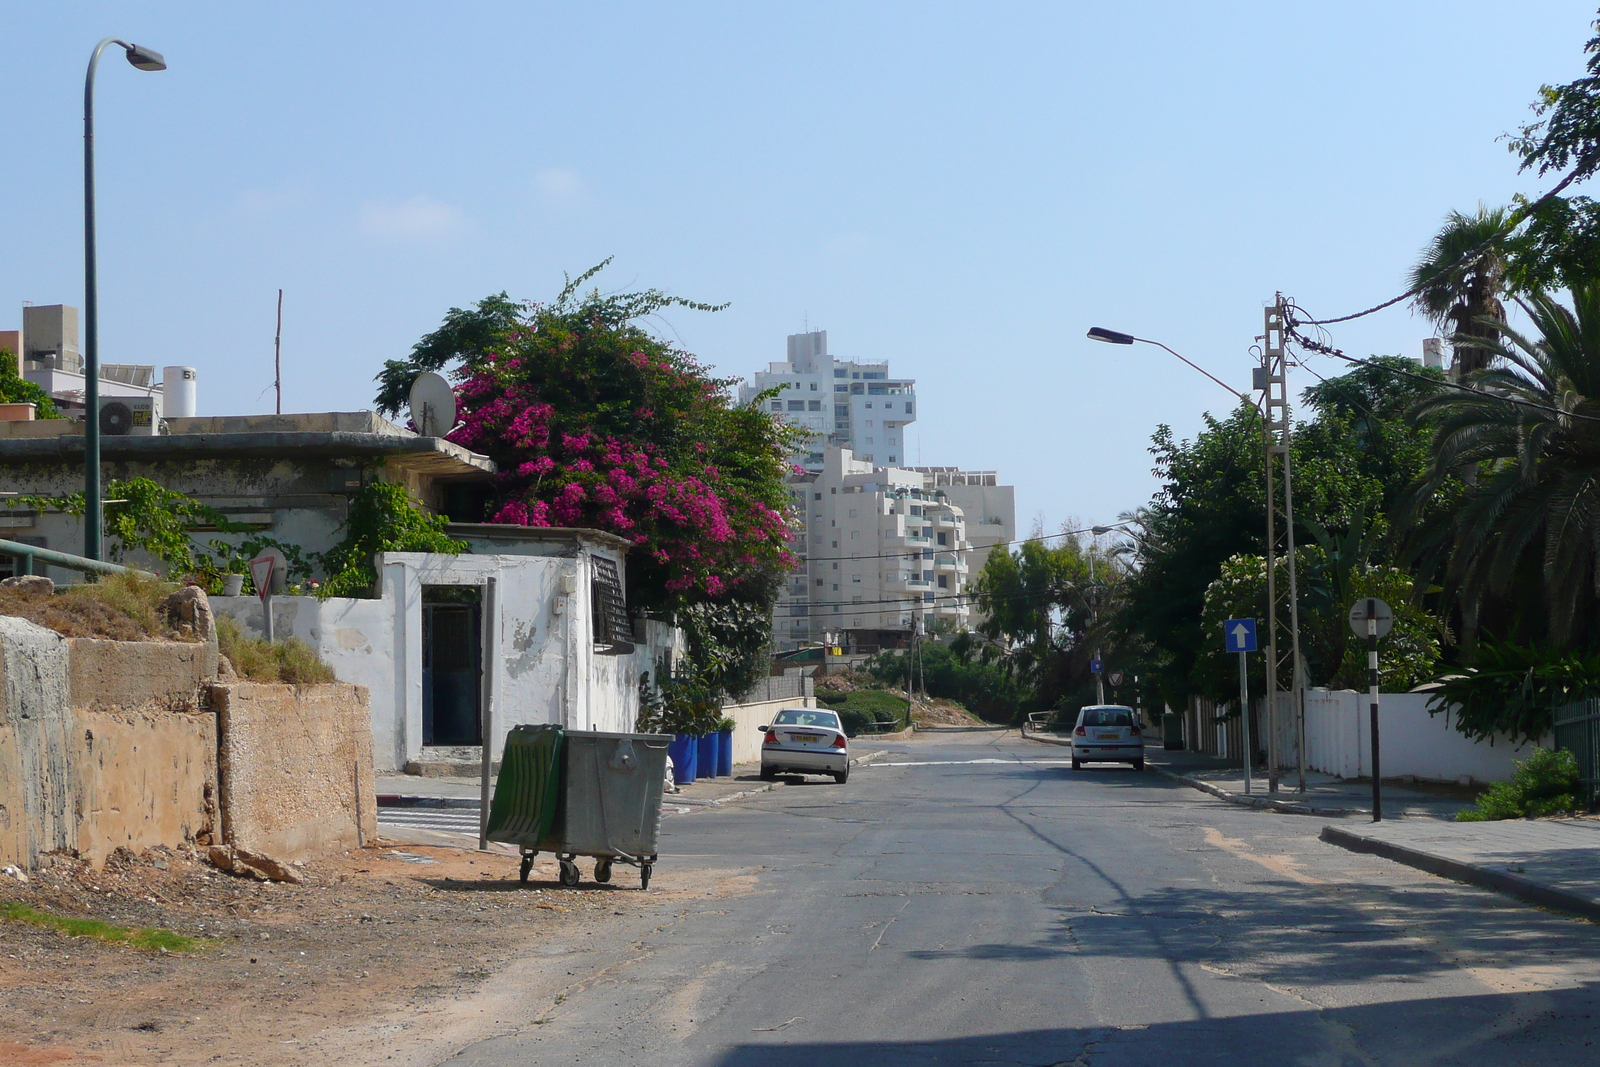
pixel 839 372
pixel 834 491
pixel 817 496
pixel 857 375
pixel 814 405
pixel 819 581
pixel 836 544
pixel 942 540
pixel 836 609
pixel 777 405
pixel 908 407
pixel 916 509
pixel 855 535
pixel 852 513
pixel 608 611
pixel 891 459
pixel 942 583
pixel 841 388
pixel 835 566
pixel 855 579
pixel 813 387
pixel 797 405
pixel 927 576
pixel 869 405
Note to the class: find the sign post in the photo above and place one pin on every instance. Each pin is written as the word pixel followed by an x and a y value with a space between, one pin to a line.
pixel 261 569
pixel 1239 635
pixel 1373 617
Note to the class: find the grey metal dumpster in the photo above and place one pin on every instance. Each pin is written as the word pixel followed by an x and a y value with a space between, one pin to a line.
pixel 610 804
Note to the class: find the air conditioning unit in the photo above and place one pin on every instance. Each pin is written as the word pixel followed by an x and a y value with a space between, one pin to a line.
pixel 130 416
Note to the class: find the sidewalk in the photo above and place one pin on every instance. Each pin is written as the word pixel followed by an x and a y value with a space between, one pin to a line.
pixel 1325 795
pixel 1554 863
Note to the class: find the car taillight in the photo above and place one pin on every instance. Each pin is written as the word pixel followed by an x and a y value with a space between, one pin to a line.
pixel 1081 732
pixel 839 742
pixel 1134 731
pixel 772 737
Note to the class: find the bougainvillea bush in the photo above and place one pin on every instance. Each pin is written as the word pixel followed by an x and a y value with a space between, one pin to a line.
pixel 595 422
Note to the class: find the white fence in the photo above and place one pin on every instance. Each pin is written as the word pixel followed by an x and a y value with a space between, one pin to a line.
pixel 1412 742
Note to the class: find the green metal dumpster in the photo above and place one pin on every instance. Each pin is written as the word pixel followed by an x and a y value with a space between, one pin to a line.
pixel 609 804
pixel 528 792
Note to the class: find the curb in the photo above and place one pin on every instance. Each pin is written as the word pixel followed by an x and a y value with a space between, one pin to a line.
pixel 1286 807
pixel 1524 889
pixel 960 729
pixel 405 800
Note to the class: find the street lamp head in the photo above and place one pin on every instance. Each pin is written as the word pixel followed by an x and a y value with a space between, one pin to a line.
pixel 145 58
pixel 1110 337
pixel 1099 531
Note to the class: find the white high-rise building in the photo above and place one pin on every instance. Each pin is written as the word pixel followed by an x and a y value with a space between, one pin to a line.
pixel 880 552
pixel 843 403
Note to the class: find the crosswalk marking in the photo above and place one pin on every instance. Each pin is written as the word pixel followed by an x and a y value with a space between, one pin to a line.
pixel 445 820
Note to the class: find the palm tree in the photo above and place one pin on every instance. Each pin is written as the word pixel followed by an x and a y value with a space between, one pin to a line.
pixel 1458 282
pixel 1523 539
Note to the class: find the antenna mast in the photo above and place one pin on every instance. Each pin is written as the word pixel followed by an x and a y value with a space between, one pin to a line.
pixel 277 355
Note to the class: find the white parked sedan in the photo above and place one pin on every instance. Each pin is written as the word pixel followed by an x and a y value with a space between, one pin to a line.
pixel 807 740
pixel 1107 733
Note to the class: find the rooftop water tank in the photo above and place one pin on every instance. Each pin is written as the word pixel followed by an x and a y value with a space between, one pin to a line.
pixel 178 392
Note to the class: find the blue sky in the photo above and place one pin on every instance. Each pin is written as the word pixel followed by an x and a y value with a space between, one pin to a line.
pixel 959 189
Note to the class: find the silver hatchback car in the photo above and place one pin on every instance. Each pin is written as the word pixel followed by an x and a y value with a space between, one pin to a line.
pixel 807 740
pixel 1107 733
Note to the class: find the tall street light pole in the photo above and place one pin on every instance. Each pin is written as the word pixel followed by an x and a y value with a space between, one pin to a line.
pixel 93 517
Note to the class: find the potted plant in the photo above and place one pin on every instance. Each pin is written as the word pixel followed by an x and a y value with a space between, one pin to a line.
pixel 725 728
pixel 682 707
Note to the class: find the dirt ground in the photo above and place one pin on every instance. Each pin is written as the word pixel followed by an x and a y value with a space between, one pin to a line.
pixel 394 954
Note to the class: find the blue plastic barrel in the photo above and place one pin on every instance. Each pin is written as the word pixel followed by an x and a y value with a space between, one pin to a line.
pixel 725 754
pixel 682 752
pixel 707 762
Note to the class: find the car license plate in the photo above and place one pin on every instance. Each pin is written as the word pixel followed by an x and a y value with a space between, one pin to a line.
pixel 1109 737
pixel 805 737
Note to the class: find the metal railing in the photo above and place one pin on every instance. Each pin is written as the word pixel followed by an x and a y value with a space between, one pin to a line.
pixel 29 556
pixel 1578 731
pixel 784 687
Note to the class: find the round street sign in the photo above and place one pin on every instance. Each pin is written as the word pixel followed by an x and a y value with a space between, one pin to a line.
pixel 1379 611
pixel 1115 678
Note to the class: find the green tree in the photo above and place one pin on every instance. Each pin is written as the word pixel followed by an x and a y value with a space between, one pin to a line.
pixel 1522 538
pixel 1459 281
pixel 15 389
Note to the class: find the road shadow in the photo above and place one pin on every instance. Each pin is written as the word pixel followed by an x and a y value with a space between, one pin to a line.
pixel 1492 1030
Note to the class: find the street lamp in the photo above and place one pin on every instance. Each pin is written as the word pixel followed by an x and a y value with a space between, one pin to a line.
pixel 93 519
pixel 1114 337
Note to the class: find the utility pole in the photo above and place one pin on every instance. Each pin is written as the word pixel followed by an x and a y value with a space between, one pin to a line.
pixel 277 355
pixel 1094 624
pixel 1283 605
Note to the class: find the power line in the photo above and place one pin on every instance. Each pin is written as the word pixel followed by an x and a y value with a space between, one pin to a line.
pixel 1329 350
pixel 1516 219
pixel 907 553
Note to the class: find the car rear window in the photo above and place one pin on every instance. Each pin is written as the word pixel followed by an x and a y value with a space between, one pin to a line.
pixel 1106 717
pixel 798 717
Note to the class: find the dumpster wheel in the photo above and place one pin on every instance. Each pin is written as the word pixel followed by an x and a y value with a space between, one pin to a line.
pixel 569 873
pixel 644 875
pixel 527 865
pixel 602 870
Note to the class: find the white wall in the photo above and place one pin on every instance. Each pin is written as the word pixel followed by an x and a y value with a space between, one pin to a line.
pixel 544 669
pixel 749 718
pixel 1411 741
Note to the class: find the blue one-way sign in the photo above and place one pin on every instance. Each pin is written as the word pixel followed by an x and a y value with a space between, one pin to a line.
pixel 1239 635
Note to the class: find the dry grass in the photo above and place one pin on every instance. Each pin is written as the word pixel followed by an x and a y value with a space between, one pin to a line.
pixel 291 661
pixel 123 607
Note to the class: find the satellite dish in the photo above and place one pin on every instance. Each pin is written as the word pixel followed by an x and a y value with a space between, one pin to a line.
pixel 433 405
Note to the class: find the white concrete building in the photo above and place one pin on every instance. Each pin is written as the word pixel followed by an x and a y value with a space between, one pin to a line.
pixel 990 508
pixel 46 349
pixel 879 551
pixel 843 403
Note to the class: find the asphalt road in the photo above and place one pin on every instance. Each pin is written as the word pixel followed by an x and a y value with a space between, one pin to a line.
pixel 972 900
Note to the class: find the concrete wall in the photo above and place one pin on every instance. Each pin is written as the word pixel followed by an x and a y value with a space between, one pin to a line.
pixel 751 717
pixel 295 768
pixel 544 669
pixel 102 744
pixel 1412 741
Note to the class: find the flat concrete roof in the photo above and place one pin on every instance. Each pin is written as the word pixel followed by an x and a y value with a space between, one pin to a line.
pixel 530 535
pixel 430 455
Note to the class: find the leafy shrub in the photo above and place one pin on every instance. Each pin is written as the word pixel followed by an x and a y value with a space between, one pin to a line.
pixel 291 661
pixel 1543 784
pixel 123 607
pixel 867 710
pixel 1514 689
pixel 679 703
pixel 983 688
